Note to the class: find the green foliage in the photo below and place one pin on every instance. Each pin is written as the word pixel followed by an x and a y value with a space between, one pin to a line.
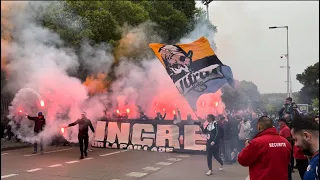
pixel 106 21
pixel 172 23
pixel 310 80
pixel 244 96
pixel 315 103
pixel 274 101
pixel 101 21
pixel 272 109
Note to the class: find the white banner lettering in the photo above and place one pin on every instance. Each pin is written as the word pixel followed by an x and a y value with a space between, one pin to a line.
pixel 170 133
pixel 190 138
pixel 140 138
pixel 114 131
pixel 100 132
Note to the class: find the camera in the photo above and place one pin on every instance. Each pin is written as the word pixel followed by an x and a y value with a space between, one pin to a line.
pixel 197 123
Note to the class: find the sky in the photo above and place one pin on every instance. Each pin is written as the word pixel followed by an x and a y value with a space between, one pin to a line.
pixel 254 51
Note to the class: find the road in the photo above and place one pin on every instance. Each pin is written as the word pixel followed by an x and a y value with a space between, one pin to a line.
pixel 110 164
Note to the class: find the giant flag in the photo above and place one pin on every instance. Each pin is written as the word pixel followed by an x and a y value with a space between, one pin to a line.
pixel 194 68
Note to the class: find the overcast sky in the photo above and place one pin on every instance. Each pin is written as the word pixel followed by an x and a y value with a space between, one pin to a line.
pixel 253 51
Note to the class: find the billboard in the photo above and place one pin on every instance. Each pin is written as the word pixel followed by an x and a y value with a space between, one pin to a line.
pixel 303 108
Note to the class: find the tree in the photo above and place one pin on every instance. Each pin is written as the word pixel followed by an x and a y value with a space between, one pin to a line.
pixel 105 22
pixel 272 109
pixel 172 23
pixel 310 80
pixel 315 105
pixel 101 21
pixel 244 96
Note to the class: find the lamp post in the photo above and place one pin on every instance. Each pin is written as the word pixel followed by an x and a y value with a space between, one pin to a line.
pixel 206 3
pixel 287 55
pixel 289 81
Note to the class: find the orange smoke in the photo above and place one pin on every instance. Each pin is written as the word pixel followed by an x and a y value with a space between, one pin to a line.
pixel 134 43
pixel 123 49
pixel 96 84
pixel 6 29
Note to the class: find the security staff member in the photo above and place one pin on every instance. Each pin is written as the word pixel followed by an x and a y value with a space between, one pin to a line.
pixel 267 154
pixel 83 135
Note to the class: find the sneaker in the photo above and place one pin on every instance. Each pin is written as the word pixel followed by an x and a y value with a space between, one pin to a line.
pixel 34 152
pixel 91 150
pixel 85 154
pixel 209 173
pixel 221 168
pixel 41 153
pixel 81 157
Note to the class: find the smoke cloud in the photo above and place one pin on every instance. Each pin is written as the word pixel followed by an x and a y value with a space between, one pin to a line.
pixel 40 65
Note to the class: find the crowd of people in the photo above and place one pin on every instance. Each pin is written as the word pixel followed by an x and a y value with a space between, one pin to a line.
pixel 268 147
pixel 271 147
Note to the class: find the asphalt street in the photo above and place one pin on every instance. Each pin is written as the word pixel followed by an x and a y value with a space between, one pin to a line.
pixel 62 163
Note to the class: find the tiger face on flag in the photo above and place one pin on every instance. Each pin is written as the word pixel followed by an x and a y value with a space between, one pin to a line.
pixel 194 68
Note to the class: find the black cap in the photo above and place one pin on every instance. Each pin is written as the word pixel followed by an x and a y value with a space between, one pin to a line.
pixel 40 114
pixel 282 119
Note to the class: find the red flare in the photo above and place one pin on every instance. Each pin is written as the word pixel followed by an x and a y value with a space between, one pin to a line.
pixel 62 130
pixel 163 109
pixel 174 112
pixel 217 104
pixel 202 104
pixel 42 103
pixel 118 111
pixel 128 110
pixel 20 111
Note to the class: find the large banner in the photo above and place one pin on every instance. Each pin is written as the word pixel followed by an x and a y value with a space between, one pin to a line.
pixel 194 68
pixel 150 135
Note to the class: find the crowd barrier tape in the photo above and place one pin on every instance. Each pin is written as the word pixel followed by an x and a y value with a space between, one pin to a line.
pixel 149 135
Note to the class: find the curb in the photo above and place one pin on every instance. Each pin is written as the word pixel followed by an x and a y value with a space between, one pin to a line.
pixel 16 147
pixel 26 146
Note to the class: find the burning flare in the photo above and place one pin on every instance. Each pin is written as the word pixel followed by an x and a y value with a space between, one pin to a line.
pixel 42 103
pixel 62 130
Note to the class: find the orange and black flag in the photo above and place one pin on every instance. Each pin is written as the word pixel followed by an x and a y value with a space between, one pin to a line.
pixel 194 68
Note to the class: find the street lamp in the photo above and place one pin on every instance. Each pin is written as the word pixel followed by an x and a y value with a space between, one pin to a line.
pixel 206 3
pixel 287 55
